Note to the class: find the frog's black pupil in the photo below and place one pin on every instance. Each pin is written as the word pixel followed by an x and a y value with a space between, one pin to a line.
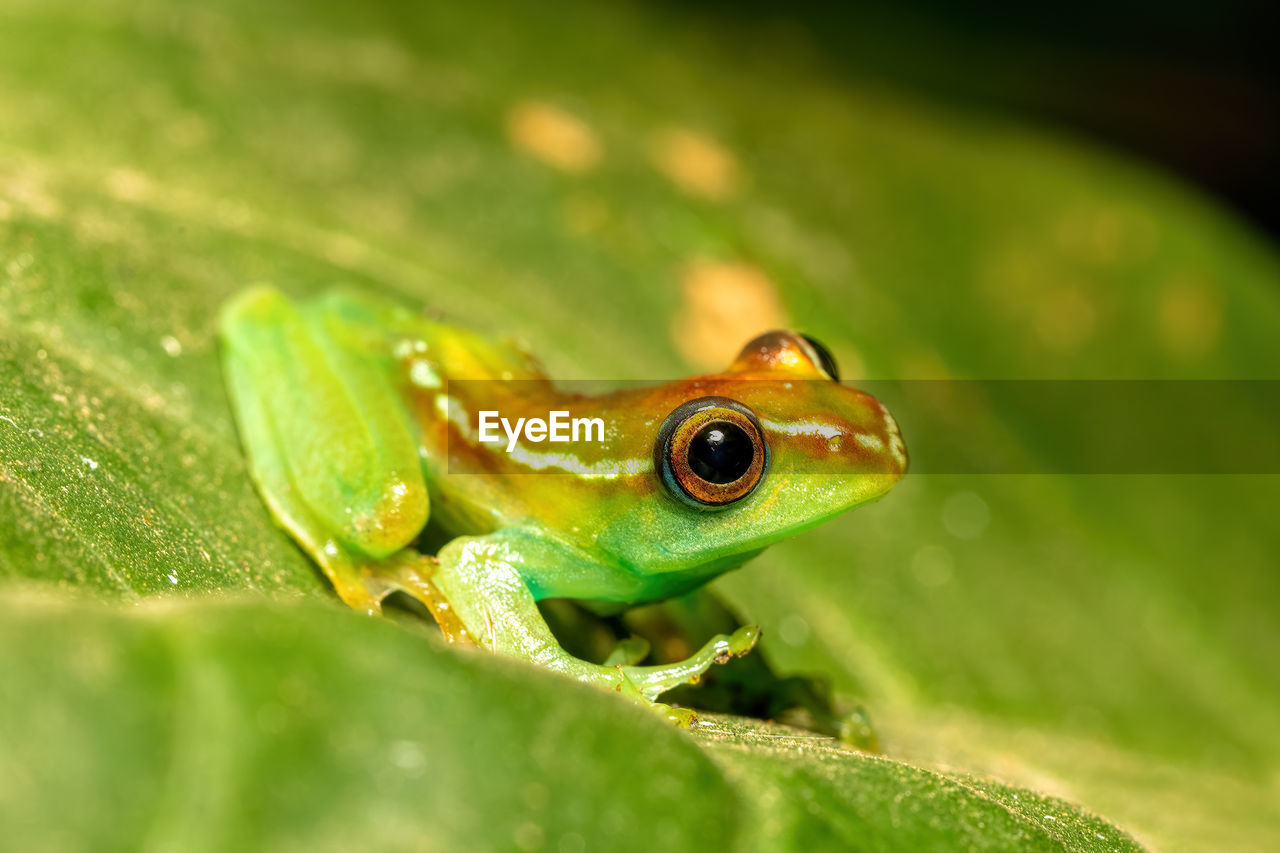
pixel 824 355
pixel 721 452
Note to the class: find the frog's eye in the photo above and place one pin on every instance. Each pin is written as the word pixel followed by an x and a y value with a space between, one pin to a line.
pixel 781 352
pixel 711 452
pixel 822 357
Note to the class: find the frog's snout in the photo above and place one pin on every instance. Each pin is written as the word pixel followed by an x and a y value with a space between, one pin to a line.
pixel 896 447
pixel 871 442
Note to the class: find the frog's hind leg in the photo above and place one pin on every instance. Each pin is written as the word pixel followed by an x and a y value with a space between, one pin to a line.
pixel 329 446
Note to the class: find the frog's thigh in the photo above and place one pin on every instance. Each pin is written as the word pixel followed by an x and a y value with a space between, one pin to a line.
pixel 266 464
pixel 328 445
pixel 479 579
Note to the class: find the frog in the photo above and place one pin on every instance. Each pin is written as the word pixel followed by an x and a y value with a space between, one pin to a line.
pixel 360 421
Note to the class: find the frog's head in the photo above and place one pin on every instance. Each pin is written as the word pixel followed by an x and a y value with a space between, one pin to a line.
pixel 770 447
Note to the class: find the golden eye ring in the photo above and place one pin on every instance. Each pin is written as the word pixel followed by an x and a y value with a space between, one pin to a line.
pixel 711 452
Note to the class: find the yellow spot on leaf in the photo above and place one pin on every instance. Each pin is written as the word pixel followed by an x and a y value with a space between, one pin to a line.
pixel 27 189
pixel 696 164
pixel 1065 318
pixel 1011 281
pixel 128 185
pixel 554 136
pixel 1190 317
pixel 724 306
pixel 1105 234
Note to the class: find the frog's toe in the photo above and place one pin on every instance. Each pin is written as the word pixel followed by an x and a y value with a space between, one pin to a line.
pixel 628 652
pixel 855 728
pixel 359 598
pixel 622 683
pixel 681 718
pixel 742 641
pixel 653 681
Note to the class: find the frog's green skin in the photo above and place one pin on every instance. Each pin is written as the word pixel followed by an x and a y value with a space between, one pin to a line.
pixel 359 428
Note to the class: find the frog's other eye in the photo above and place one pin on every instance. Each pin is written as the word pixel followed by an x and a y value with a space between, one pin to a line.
pixel 822 357
pixel 711 452
pixel 784 352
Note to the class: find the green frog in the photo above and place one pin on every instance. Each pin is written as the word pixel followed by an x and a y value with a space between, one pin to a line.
pixel 364 422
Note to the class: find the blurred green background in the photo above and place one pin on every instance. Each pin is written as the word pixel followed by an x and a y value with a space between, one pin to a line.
pixel 631 190
pixel 1190 86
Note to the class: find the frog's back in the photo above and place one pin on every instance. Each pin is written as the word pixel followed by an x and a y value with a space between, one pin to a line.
pixel 429 351
pixel 371 394
pixel 444 374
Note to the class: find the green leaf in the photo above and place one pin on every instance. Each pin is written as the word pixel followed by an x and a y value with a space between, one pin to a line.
pixel 1106 640
pixel 258 726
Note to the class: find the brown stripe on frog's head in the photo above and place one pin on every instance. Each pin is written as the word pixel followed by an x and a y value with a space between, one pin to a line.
pixel 792 382
pixel 741 459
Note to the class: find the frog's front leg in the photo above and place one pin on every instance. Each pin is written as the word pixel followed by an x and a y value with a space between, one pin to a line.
pixel 479 578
